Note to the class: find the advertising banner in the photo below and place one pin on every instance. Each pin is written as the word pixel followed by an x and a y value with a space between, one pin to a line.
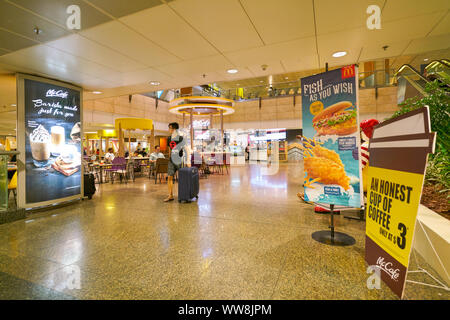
pixel 331 138
pixel 398 157
pixel 51 142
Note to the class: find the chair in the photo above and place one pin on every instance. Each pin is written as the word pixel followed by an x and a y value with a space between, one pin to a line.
pixel 161 168
pixel 118 167
pixel 200 165
pixel 130 171
pixel 215 163
pixel 12 186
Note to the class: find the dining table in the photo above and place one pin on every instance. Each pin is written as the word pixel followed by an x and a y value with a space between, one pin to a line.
pixel 101 166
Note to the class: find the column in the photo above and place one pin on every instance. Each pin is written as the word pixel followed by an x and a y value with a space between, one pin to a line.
pixel 121 142
pixel 153 139
pixel 101 147
pixel 221 130
pixel 192 129
pixel 129 143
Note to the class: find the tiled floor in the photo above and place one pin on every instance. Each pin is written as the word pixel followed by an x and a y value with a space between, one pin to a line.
pixel 248 237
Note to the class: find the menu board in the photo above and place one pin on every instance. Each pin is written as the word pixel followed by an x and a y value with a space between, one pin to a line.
pixel 331 138
pixel 52 118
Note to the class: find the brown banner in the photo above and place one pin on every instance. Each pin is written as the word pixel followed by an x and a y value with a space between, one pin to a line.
pixel 392 272
pixel 411 160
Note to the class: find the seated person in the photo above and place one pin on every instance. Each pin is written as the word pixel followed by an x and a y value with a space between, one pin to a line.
pixel 109 156
pixel 154 156
pixel 157 154
pixel 136 154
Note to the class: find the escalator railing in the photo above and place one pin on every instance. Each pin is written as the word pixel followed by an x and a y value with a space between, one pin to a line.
pixel 439 69
pixel 410 74
pixel 411 82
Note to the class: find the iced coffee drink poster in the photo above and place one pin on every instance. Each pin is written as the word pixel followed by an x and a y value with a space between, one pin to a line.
pixel 52 142
pixel 331 138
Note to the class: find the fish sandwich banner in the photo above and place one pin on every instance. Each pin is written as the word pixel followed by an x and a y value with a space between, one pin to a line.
pixel 331 139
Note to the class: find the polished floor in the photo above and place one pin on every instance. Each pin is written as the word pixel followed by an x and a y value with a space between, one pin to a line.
pixel 247 237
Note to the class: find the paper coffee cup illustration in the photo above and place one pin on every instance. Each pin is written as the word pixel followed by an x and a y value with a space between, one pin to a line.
pixel 40 146
pixel 398 150
pixel 58 139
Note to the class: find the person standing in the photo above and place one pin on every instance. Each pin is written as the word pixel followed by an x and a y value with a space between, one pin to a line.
pixel 176 144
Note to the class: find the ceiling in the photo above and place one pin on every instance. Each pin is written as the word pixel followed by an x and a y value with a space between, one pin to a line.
pixel 123 45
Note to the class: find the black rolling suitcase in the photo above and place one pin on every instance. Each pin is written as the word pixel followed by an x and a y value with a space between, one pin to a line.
pixel 188 184
pixel 89 185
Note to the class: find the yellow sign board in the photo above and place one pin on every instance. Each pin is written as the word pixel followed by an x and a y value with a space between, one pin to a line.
pixel 398 158
pixel 392 202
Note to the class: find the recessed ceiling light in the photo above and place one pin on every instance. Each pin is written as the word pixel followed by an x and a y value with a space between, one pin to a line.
pixel 286 78
pixel 426 59
pixel 155 83
pixel 13 105
pixel 261 81
pixel 97 92
pixel 339 54
pixel 232 71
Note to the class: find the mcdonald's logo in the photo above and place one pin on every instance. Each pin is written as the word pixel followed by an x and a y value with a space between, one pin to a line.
pixel 348 72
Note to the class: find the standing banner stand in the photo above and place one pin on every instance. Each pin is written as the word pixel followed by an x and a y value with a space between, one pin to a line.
pixel 331 140
pixel 398 158
pixel 49 132
pixel 332 237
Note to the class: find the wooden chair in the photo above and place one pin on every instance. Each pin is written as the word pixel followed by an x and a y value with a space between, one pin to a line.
pixel 201 165
pixel 161 168
pixel 12 186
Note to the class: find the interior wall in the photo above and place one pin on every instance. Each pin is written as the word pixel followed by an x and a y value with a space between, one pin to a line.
pixel 284 112
pixel 281 112
pixel 106 110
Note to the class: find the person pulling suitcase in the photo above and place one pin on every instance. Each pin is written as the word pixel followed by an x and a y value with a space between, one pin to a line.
pixel 176 144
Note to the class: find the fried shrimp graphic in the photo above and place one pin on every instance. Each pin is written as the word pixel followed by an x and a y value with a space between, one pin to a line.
pixel 327 170
pixel 323 165
pixel 322 152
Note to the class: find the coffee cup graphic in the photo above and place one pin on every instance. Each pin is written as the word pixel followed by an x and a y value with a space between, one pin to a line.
pixel 58 139
pixel 40 145
pixel 399 151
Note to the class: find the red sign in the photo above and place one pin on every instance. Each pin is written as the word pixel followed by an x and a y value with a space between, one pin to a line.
pixel 172 144
pixel 348 72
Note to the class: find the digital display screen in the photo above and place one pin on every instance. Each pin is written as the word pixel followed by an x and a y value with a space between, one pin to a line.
pixel 52 142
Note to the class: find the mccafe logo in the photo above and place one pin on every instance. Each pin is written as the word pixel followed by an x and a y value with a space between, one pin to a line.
pixel 387 267
pixel 57 93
